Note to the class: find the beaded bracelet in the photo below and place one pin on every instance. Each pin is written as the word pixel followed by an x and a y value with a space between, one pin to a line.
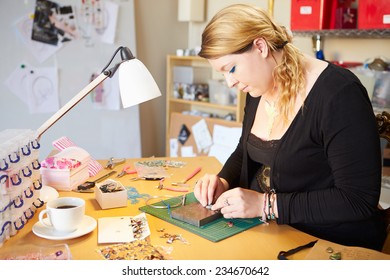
pixel 264 215
pixel 271 204
pixel 268 207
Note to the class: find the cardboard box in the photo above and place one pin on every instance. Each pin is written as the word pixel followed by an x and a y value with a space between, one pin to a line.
pixel 67 179
pixel 191 75
pixel 373 14
pixel 220 93
pixel 310 14
pixel 108 200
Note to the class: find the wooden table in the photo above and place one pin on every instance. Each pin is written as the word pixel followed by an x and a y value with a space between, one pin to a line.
pixel 261 242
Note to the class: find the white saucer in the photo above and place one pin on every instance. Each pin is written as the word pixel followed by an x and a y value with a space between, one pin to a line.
pixel 87 225
pixel 48 193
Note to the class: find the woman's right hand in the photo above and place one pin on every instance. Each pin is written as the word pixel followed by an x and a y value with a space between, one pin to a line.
pixel 209 188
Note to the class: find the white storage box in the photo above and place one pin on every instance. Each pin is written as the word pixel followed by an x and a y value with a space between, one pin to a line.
pixel 191 75
pixel 114 199
pixel 221 94
pixel 66 178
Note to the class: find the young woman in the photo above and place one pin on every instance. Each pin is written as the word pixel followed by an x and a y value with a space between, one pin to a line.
pixel 309 154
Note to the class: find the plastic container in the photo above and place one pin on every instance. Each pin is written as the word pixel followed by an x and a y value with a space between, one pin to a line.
pixel 36 252
pixel 220 93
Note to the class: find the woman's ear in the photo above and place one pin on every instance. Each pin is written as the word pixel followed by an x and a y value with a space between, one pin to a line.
pixel 261 46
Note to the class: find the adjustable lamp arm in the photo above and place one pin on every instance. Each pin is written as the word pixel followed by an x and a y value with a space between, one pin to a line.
pixel 125 55
pixel 68 106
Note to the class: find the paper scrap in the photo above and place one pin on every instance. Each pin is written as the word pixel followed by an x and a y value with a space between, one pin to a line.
pixel 42 91
pixel 108 28
pixel 187 151
pixel 225 140
pixel 106 95
pixel 202 136
pixel 40 50
pixel 173 147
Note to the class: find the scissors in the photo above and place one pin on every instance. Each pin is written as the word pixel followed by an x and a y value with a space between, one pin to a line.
pixel 114 161
pixel 127 170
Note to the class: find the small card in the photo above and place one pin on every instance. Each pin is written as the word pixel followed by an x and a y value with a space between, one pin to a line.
pixel 122 229
pixel 184 134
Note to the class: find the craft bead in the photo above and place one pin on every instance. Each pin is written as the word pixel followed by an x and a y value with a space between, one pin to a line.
pixel 335 256
pixel 329 250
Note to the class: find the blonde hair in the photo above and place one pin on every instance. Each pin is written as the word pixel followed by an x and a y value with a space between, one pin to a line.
pixel 233 30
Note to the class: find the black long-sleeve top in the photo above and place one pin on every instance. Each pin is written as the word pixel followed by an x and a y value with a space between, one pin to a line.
pixel 327 166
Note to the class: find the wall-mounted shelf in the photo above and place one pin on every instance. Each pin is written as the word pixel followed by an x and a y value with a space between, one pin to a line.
pixel 351 33
pixel 231 108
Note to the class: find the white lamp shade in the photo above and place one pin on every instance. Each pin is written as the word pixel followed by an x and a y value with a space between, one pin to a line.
pixel 136 84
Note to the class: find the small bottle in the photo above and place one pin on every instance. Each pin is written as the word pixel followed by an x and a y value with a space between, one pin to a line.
pixel 318 47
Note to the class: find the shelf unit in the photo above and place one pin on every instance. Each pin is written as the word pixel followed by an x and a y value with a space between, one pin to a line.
pixel 350 33
pixel 177 105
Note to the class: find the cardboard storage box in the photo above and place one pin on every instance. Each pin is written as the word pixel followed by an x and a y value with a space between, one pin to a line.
pixel 114 199
pixel 221 94
pixel 310 14
pixel 66 179
pixel 373 14
pixel 191 75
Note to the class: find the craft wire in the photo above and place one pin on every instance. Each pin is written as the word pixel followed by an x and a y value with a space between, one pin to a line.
pixel 184 200
pixel 162 206
pixel 169 208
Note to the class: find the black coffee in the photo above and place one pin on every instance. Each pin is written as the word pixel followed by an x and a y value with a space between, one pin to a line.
pixel 65 206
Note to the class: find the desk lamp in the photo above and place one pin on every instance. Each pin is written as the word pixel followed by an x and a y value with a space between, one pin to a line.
pixel 136 85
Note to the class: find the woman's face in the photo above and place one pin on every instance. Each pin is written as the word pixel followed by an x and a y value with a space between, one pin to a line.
pixel 250 72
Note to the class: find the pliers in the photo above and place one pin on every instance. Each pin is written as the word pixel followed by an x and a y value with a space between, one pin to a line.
pixel 114 161
pixel 127 170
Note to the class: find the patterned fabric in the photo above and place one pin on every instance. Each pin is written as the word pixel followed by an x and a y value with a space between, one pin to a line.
pixel 64 142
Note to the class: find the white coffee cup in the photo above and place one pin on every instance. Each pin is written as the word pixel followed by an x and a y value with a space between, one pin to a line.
pixel 65 214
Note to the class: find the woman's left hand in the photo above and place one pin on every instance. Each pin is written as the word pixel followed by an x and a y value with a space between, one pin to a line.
pixel 240 203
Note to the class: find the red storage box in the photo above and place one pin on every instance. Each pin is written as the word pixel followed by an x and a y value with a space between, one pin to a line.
pixel 373 14
pixel 310 14
pixel 345 18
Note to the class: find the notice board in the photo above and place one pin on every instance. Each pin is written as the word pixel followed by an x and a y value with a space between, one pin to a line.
pixel 103 133
pixel 178 121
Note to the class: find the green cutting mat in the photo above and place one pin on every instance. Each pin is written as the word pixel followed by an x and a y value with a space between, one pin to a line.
pixel 214 231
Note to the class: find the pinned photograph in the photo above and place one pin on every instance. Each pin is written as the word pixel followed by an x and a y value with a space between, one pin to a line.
pixel 53 24
pixel 184 134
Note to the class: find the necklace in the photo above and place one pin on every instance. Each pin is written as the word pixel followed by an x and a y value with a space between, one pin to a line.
pixel 272 112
